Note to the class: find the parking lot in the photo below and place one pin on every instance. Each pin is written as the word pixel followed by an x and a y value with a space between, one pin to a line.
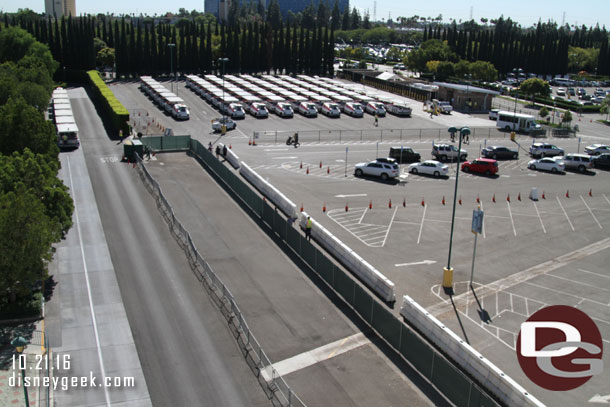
pixel 531 253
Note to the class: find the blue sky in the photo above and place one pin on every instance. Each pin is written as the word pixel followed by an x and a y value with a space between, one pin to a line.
pixel 526 12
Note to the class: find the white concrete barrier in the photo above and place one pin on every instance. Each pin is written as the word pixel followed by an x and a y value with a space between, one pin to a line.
pixel 376 281
pixel 496 381
pixel 231 157
pixel 269 191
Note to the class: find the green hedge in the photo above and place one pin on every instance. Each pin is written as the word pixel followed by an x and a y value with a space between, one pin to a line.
pixel 115 111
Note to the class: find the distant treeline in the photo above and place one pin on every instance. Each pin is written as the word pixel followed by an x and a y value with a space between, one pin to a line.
pixel 543 50
pixel 144 49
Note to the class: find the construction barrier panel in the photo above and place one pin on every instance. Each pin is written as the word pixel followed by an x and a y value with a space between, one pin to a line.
pixel 509 391
pixel 231 157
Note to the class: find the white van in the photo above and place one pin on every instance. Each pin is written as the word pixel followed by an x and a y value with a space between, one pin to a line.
pixel 353 109
pixel 308 109
pixel 331 109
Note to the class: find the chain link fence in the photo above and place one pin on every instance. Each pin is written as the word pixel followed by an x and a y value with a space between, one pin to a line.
pixel 273 384
pixel 374 135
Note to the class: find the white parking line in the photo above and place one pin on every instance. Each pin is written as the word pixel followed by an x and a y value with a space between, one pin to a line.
pixel 363 213
pixel 604 195
pixel 511 218
pixel 390 226
pixel 572 281
pixel 590 272
pixel 591 212
pixel 421 226
pixel 539 217
pixel 564 212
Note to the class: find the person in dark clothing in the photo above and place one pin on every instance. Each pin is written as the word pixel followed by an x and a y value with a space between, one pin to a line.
pixel 217 152
pixel 224 151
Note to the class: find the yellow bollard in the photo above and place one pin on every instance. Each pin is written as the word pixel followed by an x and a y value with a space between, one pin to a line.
pixel 448 277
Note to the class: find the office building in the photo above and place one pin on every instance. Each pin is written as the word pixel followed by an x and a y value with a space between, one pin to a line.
pixel 60 8
pixel 299 5
pixel 220 8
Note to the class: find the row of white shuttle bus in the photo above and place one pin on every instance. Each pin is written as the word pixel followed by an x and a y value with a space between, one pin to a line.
pixel 234 96
pixel 60 112
pixel 168 101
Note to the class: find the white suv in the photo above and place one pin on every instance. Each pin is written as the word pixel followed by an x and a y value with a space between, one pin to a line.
pixel 385 168
pixel 538 150
pixel 580 162
pixel 443 152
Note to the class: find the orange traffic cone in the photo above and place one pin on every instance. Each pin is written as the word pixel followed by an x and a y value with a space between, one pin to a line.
pixel 493 198
pixel 371 204
pixel 543 196
pixel 249 142
pixel 404 202
pixel 320 164
pixel 443 201
pixel 324 207
pixel 230 147
pixel 301 207
pixel 508 198
pixel 253 142
pixel 327 170
pixel 422 202
pixel 346 207
pixel 460 200
pixel 519 196
pixel 591 192
pixel 307 172
pixel 478 199
pixel 301 165
pixel 568 193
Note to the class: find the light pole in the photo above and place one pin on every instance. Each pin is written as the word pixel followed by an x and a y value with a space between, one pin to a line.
pixel 448 271
pixel 19 343
pixel 515 110
pixel 171 61
pixel 223 125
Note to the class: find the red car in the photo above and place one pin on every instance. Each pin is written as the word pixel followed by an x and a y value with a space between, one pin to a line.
pixel 485 166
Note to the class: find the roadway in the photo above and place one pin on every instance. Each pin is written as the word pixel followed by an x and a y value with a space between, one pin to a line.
pixel 183 344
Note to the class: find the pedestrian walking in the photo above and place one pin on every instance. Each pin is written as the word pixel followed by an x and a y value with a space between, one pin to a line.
pixel 376 120
pixel 210 146
pixel 466 139
pixel 224 151
pixel 308 227
pixel 217 151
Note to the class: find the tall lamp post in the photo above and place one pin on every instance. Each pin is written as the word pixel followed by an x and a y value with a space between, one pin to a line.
pixel 19 343
pixel 448 271
pixel 223 125
pixel 171 62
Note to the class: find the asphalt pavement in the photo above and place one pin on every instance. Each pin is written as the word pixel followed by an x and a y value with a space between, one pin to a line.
pixel 183 344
